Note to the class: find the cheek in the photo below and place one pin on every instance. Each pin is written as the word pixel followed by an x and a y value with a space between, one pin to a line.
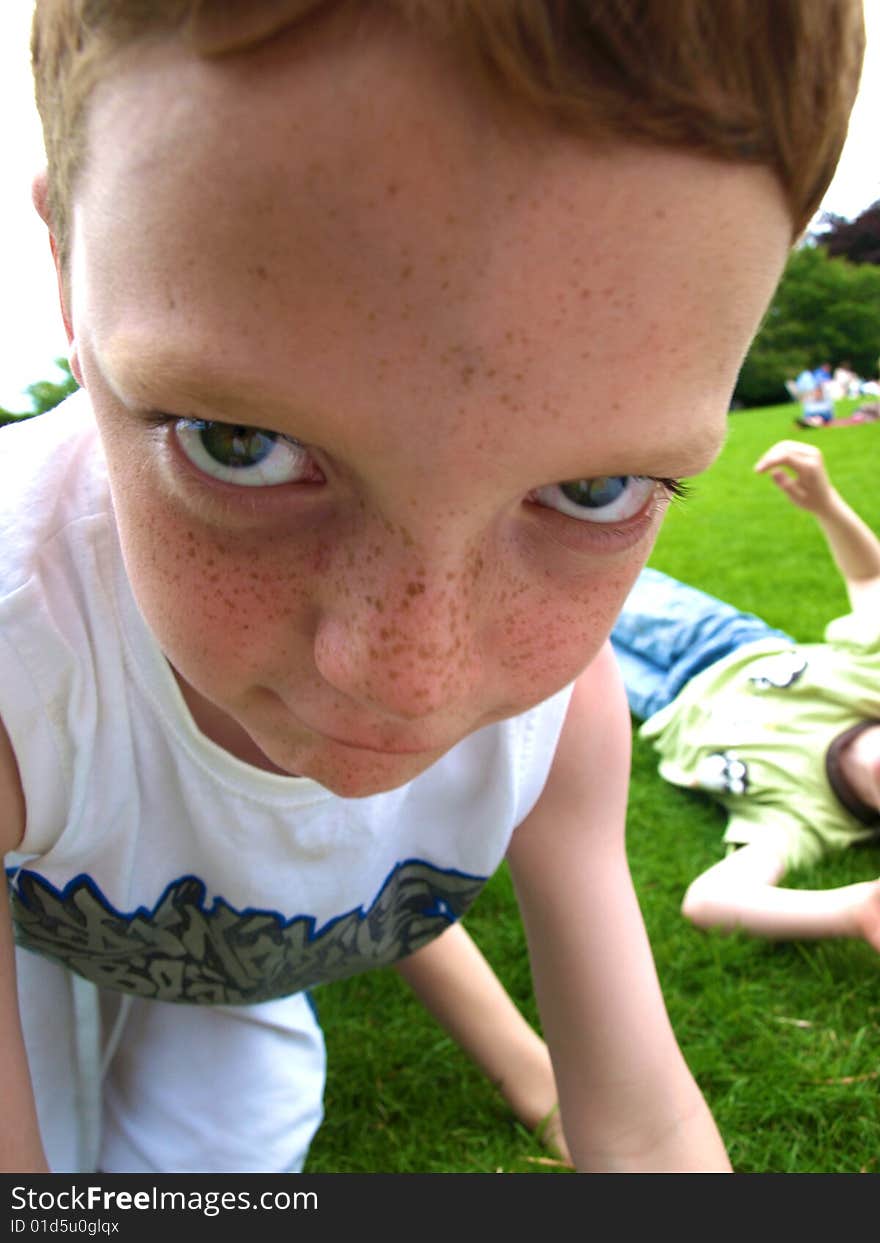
pixel 554 634
pixel 211 599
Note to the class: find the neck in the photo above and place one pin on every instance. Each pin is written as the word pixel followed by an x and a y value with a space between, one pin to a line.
pixel 223 729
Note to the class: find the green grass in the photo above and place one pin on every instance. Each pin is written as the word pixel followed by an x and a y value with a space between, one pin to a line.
pixel 784 1038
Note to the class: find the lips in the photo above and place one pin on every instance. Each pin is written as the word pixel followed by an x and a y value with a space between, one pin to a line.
pixel 391 739
pixel 375 748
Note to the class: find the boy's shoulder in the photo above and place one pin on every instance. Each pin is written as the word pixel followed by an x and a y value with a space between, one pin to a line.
pixel 73 414
pixel 52 473
pixel 38 437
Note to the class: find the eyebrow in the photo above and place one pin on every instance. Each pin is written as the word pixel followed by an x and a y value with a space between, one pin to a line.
pixel 693 460
pixel 673 458
pixel 139 373
pixel 165 380
pixel 694 457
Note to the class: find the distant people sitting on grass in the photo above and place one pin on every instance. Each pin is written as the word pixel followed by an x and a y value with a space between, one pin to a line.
pixel 869 413
pixel 817 391
pixel 813 389
pixel 846 382
pixel 786 736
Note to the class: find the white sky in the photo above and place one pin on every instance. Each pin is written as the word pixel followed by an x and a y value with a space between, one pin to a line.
pixel 31 335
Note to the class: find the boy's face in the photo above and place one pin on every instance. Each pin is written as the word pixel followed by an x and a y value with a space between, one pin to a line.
pixel 439 312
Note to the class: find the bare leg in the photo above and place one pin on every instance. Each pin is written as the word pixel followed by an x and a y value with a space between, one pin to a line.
pixel 455 983
pixel 741 892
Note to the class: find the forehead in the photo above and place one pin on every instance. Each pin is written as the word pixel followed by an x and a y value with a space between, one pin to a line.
pixel 363 205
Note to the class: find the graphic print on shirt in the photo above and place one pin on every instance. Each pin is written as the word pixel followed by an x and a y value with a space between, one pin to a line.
pixel 723 772
pixel 778 671
pixel 211 954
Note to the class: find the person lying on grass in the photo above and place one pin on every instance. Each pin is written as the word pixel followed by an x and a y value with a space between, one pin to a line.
pixel 785 735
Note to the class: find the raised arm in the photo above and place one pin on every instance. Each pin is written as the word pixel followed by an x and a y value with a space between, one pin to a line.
pixel 628 1099
pixel 799 471
pixel 21 1149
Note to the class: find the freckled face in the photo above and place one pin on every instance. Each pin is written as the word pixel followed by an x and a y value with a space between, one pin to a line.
pixel 347 325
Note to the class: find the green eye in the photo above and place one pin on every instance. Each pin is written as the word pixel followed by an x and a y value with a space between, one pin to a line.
pixel 595 493
pixel 607 498
pixel 247 456
pixel 233 446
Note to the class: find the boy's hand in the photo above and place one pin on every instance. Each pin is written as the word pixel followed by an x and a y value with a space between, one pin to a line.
pixel 853 545
pixel 808 485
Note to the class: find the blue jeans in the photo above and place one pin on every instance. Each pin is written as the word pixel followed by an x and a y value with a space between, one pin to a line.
pixel 668 632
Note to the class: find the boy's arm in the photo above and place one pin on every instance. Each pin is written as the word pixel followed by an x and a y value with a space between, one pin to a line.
pixel 21 1149
pixel 740 893
pixel 455 984
pixel 854 546
pixel 628 1099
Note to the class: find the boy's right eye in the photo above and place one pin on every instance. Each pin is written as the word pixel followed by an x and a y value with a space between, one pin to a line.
pixel 606 499
pixel 250 457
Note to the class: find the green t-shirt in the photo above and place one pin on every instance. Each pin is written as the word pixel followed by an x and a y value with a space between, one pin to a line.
pixel 754 729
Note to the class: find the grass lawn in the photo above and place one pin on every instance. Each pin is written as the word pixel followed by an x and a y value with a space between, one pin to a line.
pixel 783 1038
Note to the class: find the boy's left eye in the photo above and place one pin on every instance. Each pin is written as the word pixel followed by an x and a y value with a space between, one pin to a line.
pixel 247 456
pixel 608 498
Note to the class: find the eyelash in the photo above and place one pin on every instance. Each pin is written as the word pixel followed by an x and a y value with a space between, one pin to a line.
pixel 230 486
pixel 668 489
pixel 613 537
pixel 676 489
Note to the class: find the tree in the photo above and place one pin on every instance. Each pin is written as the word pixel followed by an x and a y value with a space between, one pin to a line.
pixel 44 394
pixel 857 240
pixel 824 310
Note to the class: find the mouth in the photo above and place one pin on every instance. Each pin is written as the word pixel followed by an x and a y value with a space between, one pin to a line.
pixel 376 748
pixel 381 739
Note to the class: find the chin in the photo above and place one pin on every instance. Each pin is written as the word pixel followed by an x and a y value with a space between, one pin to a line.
pixel 353 783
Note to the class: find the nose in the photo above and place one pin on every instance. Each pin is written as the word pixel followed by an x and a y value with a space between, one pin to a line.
pixel 407 647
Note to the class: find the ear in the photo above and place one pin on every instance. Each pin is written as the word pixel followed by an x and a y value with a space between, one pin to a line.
pixel 40 198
